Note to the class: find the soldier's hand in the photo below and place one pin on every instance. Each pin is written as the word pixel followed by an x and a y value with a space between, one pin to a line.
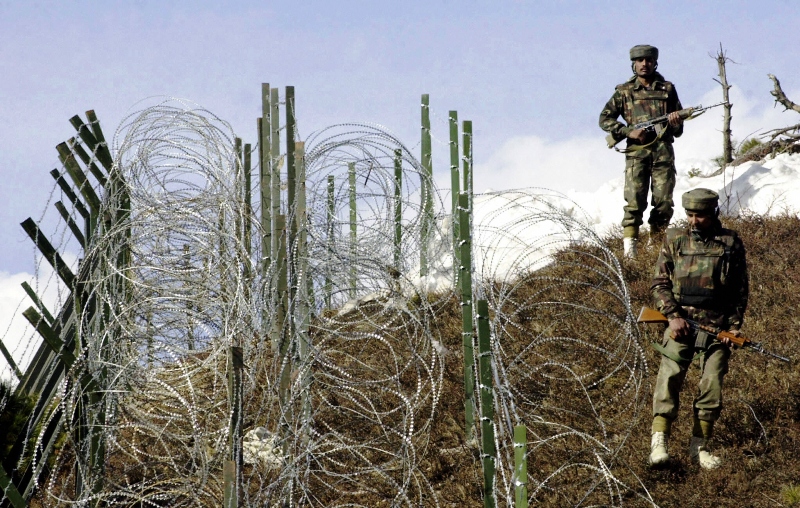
pixel 638 135
pixel 674 119
pixel 727 341
pixel 679 327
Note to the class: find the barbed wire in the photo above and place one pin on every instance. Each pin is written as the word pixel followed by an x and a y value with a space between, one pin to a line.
pixel 343 374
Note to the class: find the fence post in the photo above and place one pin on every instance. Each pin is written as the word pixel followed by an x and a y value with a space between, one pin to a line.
pixel 229 481
pixel 426 187
pixel 235 394
pixel 488 451
pixel 281 303
pixel 265 177
pixel 330 219
pixel 467 176
pixel 398 209
pixel 351 179
pixel 305 292
pixel 275 166
pixel 520 466
pixel 77 203
pixel 247 213
pixel 467 327
pixel 454 191
pixel 291 174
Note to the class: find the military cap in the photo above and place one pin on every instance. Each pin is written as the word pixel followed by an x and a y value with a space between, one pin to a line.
pixel 700 200
pixel 644 50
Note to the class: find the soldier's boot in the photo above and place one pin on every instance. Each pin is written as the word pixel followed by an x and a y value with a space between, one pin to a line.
pixel 630 237
pixel 698 450
pixel 656 235
pixel 658 449
pixel 629 249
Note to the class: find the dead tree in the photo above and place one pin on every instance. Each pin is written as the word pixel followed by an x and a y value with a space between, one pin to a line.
pixel 727 148
pixel 791 134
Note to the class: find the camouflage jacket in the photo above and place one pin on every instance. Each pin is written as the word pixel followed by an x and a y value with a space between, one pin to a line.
pixel 635 103
pixel 703 278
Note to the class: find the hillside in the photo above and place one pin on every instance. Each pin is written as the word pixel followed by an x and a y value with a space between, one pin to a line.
pixel 758 432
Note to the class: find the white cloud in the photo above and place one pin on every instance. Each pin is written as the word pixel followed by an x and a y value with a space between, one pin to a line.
pixel 16 332
pixel 18 336
pixel 585 164
pixel 582 163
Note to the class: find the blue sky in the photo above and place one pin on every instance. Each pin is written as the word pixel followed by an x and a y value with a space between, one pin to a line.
pixel 532 76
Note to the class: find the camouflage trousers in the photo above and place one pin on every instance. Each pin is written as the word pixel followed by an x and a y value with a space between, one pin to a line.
pixel 651 169
pixel 672 373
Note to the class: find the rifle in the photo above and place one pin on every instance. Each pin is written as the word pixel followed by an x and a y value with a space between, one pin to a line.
pixel 653 316
pixel 686 114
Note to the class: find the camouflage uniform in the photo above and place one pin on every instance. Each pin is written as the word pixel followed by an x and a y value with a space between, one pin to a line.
pixel 703 277
pixel 653 164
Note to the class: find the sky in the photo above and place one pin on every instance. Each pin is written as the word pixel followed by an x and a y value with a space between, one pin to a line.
pixel 532 76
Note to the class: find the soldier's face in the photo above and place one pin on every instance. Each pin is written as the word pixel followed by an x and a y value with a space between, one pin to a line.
pixel 699 220
pixel 644 66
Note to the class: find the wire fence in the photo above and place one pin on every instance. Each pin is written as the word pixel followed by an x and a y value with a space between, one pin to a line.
pixel 343 371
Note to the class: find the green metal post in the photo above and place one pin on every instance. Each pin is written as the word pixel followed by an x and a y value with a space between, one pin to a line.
pixel 238 226
pixel 454 190
pixel 11 362
pixel 305 290
pixel 235 394
pixel 76 230
pixel 265 177
pixel 467 327
pixel 283 289
pixel 351 179
pixel 467 176
pixel 81 182
pixel 10 491
pixel 39 304
pixel 73 198
pixel 282 336
pixel 247 217
pixel 291 206
pixel 75 172
pixel 223 283
pixel 426 187
pixel 93 138
pixel 520 466
pixel 398 208
pixel 49 252
pixel 248 203
pixel 229 481
pixel 275 166
pixel 488 451
pixel 49 336
pixel 87 161
pixel 330 221
pixel 291 169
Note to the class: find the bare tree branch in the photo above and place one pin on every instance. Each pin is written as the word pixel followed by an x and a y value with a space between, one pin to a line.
pixel 780 97
pixel 727 144
pixel 774 133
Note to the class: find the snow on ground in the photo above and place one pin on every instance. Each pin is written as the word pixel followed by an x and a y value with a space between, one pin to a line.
pixel 515 229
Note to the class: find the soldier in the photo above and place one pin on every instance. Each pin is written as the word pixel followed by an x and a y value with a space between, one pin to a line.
pixel 649 158
pixel 701 274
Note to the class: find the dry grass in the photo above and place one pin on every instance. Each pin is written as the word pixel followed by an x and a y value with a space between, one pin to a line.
pixel 757 436
pixel 759 430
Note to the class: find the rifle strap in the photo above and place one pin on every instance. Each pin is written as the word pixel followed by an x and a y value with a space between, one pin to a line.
pixel 634 148
pixel 676 358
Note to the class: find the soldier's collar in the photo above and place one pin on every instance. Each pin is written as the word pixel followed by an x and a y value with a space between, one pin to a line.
pixel 658 80
pixel 712 233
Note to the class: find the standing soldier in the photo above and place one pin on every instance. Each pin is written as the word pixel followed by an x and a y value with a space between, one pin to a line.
pixel 649 158
pixel 701 275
